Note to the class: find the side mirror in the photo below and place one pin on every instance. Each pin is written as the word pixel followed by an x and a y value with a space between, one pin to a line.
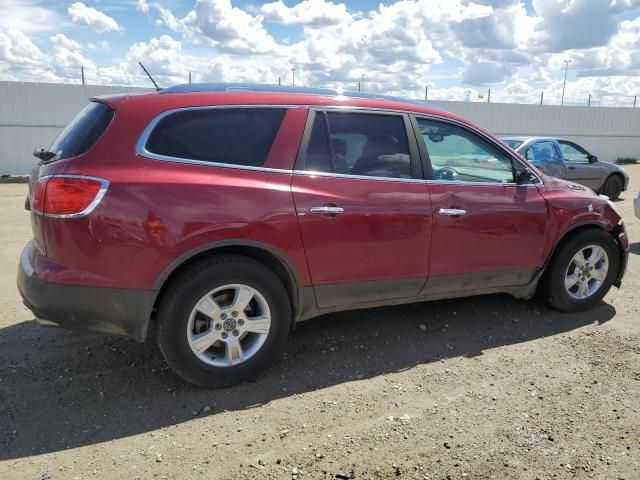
pixel 524 176
pixel 592 158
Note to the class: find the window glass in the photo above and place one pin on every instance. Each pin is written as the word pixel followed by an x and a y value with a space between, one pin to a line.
pixel 318 156
pixel 235 136
pixel 543 152
pixel 457 154
pixel 359 144
pixel 573 153
pixel 513 143
pixel 83 131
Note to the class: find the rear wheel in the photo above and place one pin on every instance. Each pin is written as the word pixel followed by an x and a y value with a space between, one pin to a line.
pixel 223 321
pixel 612 187
pixel 581 272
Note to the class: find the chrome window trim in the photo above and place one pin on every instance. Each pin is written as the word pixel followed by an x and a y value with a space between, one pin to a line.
pixel 140 148
pixel 312 173
pixel 104 185
pixel 141 143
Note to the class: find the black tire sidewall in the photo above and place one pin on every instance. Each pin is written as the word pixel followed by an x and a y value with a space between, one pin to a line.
pixel 189 288
pixel 554 278
pixel 614 179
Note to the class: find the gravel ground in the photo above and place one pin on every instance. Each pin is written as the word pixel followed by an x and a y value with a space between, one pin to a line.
pixel 485 387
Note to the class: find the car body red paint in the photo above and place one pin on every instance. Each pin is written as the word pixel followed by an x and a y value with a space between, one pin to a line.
pixel 156 215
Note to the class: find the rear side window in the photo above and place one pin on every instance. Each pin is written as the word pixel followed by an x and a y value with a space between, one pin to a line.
pixel 235 136
pixel 83 131
pixel 359 144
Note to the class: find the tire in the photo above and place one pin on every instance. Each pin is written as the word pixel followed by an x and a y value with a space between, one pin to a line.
pixel 563 270
pixel 184 330
pixel 612 187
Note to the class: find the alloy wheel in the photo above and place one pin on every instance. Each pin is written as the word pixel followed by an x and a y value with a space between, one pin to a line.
pixel 586 272
pixel 229 325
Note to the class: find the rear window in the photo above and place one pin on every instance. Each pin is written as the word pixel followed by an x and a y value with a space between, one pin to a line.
pixel 235 136
pixel 83 131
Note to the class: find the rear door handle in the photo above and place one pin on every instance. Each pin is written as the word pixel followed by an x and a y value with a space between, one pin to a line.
pixel 326 210
pixel 451 212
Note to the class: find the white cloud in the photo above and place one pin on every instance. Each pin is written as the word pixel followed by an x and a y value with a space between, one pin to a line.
pixel 316 13
pixel 61 40
pixel 455 46
pixel 29 17
pixel 80 14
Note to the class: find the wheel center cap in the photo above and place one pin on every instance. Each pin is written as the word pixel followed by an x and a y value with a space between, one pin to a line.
pixel 229 324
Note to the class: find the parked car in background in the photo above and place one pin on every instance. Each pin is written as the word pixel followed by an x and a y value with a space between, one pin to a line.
pixel 636 205
pixel 226 215
pixel 566 159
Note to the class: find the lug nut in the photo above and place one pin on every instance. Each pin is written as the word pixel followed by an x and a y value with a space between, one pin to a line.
pixel 218 326
pixel 236 333
pixel 224 335
pixel 240 321
pixel 223 316
pixel 234 314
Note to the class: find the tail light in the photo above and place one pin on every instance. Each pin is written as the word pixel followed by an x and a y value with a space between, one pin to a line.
pixel 67 196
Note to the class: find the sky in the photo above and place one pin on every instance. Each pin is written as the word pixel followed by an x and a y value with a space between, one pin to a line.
pixel 459 49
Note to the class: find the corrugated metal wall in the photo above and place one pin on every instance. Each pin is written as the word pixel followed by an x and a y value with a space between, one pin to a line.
pixel 32 115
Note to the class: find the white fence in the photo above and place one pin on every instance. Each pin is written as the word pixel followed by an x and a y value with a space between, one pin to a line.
pixel 607 132
pixel 32 115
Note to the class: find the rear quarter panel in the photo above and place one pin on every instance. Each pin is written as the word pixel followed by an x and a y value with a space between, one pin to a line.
pixel 156 211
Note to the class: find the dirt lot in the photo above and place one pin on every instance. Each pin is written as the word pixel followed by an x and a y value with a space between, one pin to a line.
pixel 486 387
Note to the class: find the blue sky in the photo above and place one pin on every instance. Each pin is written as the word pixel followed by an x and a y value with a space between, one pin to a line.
pixel 459 48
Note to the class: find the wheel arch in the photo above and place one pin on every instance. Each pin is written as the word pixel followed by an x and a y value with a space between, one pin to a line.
pixel 572 232
pixel 265 254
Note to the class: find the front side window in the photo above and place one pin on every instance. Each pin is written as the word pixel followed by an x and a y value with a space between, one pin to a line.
pixel 457 154
pixel 359 144
pixel 573 153
pixel 234 136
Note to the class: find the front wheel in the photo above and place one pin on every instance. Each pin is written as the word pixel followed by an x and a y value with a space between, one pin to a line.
pixel 223 321
pixel 612 187
pixel 581 271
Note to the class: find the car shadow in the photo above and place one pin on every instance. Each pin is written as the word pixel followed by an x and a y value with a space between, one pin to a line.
pixel 61 389
pixel 634 248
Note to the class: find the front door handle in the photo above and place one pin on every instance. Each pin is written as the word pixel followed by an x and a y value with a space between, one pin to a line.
pixel 451 212
pixel 326 210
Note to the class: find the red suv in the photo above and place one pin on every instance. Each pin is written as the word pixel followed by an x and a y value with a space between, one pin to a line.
pixel 226 214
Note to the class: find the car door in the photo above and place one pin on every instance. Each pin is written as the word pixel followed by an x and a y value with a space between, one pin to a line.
pixel 546 155
pixel 363 207
pixel 579 167
pixel 488 231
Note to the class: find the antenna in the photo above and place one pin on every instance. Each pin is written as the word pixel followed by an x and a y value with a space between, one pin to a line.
pixel 149 75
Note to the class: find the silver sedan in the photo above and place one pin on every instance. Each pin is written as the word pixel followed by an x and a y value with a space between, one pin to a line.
pixel 566 159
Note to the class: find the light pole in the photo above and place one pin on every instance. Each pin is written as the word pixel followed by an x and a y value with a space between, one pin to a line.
pixel 564 84
pixel 293 77
pixel 363 77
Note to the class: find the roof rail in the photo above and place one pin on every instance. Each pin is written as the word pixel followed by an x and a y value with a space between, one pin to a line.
pixel 257 87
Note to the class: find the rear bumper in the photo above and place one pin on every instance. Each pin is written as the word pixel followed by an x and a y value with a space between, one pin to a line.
pixel 110 310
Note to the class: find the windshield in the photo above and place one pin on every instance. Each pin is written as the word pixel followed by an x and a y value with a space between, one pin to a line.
pixel 513 143
pixel 83 131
